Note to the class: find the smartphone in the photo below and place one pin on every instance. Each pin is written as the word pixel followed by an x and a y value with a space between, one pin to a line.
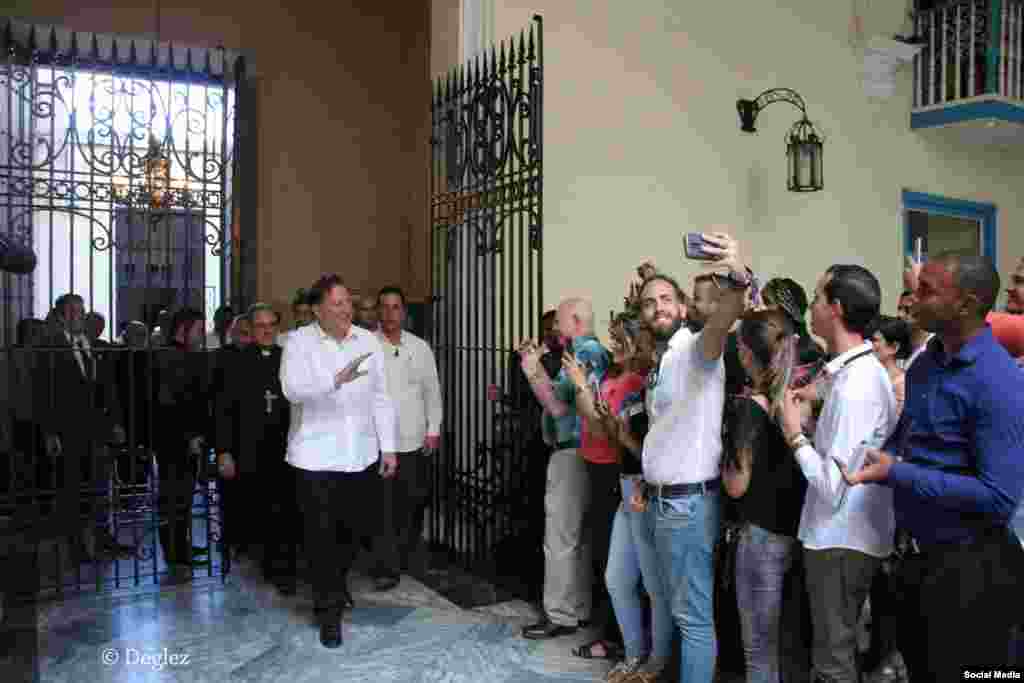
pixel 919 254
pixel 693 243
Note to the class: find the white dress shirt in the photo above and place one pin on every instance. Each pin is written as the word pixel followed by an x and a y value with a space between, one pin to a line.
pixel 859 413
pixel 339 429
pixel 684 441
pixel 414 385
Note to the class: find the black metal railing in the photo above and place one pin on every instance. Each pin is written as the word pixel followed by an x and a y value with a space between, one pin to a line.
pixel 119 171
pixel 487 236
pixel 972 48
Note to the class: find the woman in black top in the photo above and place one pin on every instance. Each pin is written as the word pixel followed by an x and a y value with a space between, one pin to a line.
pixel 761 474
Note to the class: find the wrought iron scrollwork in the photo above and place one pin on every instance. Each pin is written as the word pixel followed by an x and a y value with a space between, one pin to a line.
pixel 487 273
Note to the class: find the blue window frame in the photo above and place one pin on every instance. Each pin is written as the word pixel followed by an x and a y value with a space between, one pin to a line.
pixel 985 214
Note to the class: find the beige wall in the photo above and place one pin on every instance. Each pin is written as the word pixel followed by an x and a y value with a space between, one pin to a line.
pixel 343 114
pixel 642 142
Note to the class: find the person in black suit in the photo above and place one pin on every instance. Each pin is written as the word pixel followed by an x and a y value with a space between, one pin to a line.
pixel 78 413
pixel 252 419
pixel 180 431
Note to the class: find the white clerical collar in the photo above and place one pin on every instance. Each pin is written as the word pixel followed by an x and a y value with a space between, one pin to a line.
pixel 834 366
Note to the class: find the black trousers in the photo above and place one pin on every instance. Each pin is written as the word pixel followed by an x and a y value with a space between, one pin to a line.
pixel 957 606
pixel 177 484
pixel 605 497
pixel 338 508
pixel 403 501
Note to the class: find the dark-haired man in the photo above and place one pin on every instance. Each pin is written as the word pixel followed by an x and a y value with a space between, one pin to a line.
pixel 846 532
pixel 955 466
pixel 919 337
pixel 416 390
pixel 346 435
pixel 180 425
pixel 683 449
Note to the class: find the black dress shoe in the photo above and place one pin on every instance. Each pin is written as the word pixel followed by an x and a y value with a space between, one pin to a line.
pixel 385 583
pixel 545 629
pixel 330 634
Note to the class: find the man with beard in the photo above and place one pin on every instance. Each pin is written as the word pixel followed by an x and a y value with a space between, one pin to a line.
pixel 955 468
pixel 683 447
pixel 252 426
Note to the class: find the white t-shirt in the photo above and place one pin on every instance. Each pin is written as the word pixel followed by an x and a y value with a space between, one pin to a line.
pixel 685 406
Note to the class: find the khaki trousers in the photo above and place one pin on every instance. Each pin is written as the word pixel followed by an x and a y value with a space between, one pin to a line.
pixel 568 571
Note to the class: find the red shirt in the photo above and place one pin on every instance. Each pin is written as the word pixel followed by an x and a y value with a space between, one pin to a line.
pixel 1008 329
pixel 614 390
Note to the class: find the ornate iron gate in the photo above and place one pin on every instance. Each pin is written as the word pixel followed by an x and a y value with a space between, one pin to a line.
pixel 487 229
pixel 118 168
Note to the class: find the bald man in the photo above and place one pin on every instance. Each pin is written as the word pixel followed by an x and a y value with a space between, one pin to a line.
pixel 568 571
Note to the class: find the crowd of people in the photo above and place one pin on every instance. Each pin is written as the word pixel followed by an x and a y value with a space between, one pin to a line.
pixel 720 454
pixel 158 407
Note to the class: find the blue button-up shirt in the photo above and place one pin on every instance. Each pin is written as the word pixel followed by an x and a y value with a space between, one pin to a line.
pixel 961 437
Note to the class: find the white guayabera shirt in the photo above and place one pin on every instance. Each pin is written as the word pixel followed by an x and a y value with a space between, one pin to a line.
pixel 340 429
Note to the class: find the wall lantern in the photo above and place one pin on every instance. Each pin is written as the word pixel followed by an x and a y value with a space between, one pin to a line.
pixel 803 142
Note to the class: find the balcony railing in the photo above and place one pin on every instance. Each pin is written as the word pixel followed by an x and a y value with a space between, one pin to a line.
pixel 974 48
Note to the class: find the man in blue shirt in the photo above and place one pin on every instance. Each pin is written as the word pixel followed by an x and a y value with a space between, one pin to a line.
pixel 956 467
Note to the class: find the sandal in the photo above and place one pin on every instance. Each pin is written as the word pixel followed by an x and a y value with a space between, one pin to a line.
pixel 612 651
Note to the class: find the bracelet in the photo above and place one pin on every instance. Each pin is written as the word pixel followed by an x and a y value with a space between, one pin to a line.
pixel 799 441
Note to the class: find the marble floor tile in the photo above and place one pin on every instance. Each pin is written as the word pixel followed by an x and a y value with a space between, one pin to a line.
pixel 242 629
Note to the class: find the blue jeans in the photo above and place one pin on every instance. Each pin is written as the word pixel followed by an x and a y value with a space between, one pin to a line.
pixel 685 531
pixel 631 557
pixel 762 560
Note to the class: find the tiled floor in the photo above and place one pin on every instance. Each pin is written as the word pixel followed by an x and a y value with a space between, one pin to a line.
pixel 244 630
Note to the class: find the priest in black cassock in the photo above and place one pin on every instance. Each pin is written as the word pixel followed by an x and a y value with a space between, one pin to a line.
pixel 252 433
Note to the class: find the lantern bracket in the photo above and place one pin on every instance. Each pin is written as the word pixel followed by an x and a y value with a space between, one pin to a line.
pixel 749 109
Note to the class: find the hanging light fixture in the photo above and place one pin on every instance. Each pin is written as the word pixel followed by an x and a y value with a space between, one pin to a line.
pixel 804 144
pixel 155 192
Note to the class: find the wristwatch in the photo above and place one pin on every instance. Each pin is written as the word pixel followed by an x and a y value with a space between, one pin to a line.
pixel 798 442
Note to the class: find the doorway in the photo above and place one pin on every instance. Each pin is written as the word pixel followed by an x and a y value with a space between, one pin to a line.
pixel 941 224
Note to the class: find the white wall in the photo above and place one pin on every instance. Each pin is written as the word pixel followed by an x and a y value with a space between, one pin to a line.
pixel 642 141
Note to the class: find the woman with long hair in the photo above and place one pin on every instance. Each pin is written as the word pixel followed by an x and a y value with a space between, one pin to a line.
pixel 760 473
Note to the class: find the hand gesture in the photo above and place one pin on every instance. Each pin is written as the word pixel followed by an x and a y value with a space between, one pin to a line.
pixel 574 371
pixel 790 417
pixel 388 465
pixel 612 425
pixel 226 466
pixel 637 502
pixel 351 372
pixel 875 468
pixel 53 445
pixel 726 251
